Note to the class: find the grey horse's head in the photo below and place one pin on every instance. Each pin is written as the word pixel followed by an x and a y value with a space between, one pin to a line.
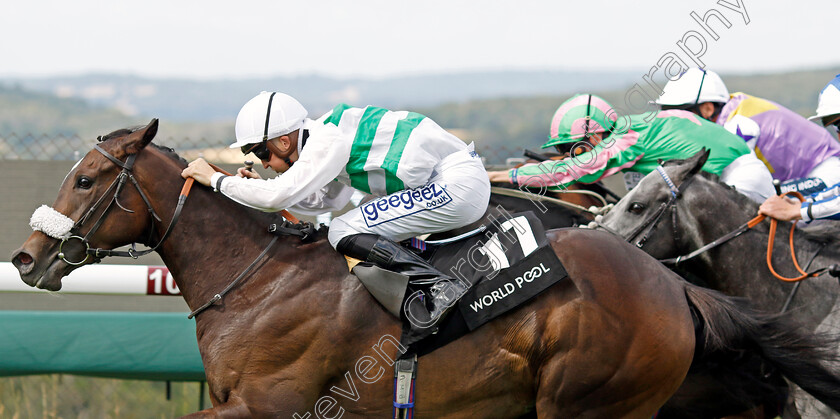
pixel 646 216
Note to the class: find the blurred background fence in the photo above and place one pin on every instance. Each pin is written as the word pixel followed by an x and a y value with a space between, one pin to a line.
pixel 43 147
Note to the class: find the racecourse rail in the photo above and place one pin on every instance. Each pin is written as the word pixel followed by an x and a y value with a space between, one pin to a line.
pixel 101 279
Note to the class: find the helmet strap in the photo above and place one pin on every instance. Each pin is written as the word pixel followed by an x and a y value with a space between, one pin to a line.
pixel 700 89
pixel 268 116
pixel 831 120
pixel 588 117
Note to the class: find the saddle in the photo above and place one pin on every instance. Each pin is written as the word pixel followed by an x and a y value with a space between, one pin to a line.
pixel 506 262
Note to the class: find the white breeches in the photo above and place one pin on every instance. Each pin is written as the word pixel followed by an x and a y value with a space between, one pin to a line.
pixel 456 195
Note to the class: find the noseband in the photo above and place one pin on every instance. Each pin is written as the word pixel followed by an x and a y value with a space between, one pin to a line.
pixel 117 186
pixel 648 227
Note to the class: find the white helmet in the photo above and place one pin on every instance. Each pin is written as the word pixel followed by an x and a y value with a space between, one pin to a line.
pixel 694 86
pixel 829 103
pixel 268 115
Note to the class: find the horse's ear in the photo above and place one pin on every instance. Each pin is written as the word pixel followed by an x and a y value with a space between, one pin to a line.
pixel 142 137
pixel 690 166
pixel 698 160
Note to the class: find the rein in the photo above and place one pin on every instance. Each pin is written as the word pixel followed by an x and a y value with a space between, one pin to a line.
pixel 772 237
pixel 516 193
pixel 671 203
pixel 715 243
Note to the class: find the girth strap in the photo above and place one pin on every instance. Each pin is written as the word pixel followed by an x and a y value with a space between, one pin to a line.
pixel 405 375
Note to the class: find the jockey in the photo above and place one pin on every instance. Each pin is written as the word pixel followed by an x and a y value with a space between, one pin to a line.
pixel 427 180
pixel 790 146
pixel 598 144
pixel 824 204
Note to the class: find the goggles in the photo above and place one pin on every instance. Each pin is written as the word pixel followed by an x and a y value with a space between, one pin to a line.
pixel 579 147
pixel 834 124
pixel 259 149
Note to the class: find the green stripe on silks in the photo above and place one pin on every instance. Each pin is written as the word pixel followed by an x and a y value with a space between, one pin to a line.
pixel 361 148
pixel 404 129
pixel 336 114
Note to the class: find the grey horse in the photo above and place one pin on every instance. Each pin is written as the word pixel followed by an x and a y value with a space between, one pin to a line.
pixel 672 214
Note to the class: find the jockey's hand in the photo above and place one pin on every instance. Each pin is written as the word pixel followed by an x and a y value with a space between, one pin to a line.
pixel 199 170
pixel 499 176
pixel 781 208
pixel 250 174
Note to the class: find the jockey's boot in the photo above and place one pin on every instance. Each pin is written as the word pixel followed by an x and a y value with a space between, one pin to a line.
pixel 386 254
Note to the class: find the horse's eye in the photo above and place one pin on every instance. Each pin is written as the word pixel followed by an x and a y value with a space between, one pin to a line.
pixel 84 182
pixel 636 208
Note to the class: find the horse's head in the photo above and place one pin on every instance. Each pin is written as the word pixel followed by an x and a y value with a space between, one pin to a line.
pixel 648 215
pixel 98 206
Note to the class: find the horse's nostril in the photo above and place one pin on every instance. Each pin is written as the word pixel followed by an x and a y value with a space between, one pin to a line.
pixel 24 259
pixel 23 262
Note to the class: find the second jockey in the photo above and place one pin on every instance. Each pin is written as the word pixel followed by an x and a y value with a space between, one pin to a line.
pixel 599 143
pixel 791 147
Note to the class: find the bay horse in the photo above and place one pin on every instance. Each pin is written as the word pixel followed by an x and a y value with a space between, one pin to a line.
pixel 706 210
pixel 731 384
pixel 300 334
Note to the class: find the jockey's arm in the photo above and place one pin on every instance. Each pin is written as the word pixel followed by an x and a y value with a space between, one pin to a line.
pixel 319 164
pixel 822 205
pixel 498 176
pixel 554 174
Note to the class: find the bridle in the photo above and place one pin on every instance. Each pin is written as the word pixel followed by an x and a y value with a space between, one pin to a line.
pixel 117 186
pixel 644 231
pixel 650 225
pixel 290 226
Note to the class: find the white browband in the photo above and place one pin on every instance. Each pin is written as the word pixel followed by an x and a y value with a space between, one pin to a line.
pixel 51 222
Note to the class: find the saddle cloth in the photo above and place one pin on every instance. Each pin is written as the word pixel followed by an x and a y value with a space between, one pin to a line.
pixel 506 263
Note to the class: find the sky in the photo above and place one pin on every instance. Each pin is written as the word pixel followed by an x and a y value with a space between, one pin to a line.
pixel 386 38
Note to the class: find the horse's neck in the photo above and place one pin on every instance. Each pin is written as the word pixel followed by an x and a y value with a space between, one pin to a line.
pixel 711 212
pixel 215 240
pixel 720 214
pixel 739 266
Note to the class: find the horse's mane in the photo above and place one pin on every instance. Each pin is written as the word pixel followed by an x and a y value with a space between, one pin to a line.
pixel 118 133
pixel 126 131
pixel 730 192
pixel 170 152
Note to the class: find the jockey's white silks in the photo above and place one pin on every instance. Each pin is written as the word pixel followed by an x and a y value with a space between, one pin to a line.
pixel 51 222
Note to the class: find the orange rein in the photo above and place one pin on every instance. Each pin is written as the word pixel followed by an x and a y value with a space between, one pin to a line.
pixel 185 191
pixel 772 236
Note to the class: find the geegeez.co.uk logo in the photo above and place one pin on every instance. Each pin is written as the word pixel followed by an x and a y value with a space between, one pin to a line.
pixel 405 203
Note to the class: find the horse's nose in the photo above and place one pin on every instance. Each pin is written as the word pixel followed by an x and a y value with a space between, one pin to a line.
pixel 24 262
